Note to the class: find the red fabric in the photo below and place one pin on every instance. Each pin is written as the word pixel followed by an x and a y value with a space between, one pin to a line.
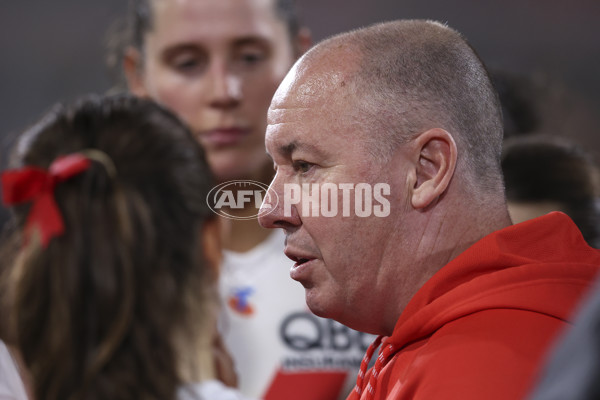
pixel 318 385
pixel 37 185
pixel 364 365
pixel 479 328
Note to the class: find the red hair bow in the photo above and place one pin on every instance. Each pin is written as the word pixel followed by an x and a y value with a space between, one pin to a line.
pixel 37 185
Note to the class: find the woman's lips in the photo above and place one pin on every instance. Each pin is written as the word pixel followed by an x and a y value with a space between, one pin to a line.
pixel 223 136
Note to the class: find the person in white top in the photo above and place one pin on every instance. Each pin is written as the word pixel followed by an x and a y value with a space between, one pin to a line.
pixel 216 64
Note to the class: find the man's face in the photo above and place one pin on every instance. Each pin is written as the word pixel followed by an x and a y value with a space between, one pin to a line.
pixel 341 261
pixel 217 63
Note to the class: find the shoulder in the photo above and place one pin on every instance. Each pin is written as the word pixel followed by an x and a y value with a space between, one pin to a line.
pixel 491 354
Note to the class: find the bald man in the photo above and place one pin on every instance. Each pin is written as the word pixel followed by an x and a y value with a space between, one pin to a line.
pixel 386 142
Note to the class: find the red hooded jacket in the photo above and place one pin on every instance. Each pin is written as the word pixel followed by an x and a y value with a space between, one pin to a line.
pixel 479 328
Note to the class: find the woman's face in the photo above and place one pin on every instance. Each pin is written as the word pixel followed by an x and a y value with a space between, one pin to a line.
pixel 216 64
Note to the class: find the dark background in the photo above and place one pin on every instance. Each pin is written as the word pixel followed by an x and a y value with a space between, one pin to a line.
pixel 53 51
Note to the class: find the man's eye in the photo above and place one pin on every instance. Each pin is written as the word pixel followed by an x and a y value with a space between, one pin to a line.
pixel 302 166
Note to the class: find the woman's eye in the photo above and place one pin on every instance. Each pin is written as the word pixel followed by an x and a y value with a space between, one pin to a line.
pixel 251 56
pixel 187 63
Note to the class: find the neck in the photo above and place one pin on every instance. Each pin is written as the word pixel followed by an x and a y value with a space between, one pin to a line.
pixel 447 231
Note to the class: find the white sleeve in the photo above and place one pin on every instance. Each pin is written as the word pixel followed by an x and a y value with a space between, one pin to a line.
pixel 209 390
pixel 11 386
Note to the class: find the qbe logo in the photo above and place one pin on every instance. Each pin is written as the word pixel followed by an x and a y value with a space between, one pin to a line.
pixel 242 199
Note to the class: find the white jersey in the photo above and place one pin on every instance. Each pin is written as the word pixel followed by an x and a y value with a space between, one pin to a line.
pixel 11 385
pixel 281 350
pixel 208 390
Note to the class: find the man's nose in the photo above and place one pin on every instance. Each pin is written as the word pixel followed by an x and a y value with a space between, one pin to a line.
pixel 276 210
pixel 225 88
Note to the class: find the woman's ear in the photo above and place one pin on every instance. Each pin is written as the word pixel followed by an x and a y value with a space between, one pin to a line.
pixel 132 66
pixel 435 165
pixel 211 244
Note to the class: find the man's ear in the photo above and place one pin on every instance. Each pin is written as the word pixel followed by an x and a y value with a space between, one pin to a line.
pixel 132 66
pixel 211 244
pixel 435 159
pixel 302 42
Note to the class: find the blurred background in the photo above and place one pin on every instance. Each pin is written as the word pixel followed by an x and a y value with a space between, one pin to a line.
pixel 54 51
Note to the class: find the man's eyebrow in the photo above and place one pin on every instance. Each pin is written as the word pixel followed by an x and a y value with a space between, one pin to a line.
pixel 288 149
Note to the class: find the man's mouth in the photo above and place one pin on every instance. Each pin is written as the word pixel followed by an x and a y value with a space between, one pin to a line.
pixel 301 261
pixel 298 259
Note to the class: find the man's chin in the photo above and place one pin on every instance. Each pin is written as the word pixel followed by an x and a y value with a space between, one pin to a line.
pixel 316 306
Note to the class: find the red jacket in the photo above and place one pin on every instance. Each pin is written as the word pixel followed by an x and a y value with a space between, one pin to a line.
pixel 478 329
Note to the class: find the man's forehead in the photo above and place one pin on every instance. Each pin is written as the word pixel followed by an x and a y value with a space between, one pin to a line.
pixel 286 115
pixel 287 128
pixel 313 82
pixel 315 91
